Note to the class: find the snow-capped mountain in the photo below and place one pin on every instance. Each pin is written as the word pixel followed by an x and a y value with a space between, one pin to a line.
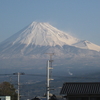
pixel 42 34
pixel 34 36
pixel 37 39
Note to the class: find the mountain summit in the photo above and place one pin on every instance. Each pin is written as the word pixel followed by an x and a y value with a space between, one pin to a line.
pixel 29 46
pixel 42 34
pixel 42 38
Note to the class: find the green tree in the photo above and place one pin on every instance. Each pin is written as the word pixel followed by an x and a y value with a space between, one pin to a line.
pixel 8 89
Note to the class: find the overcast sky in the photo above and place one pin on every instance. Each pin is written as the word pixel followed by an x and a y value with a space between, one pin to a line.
pixel 80 18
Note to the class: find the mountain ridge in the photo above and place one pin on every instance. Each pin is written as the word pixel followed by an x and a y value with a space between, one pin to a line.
pixel 43 34
pixel 84 44
pixel 29 46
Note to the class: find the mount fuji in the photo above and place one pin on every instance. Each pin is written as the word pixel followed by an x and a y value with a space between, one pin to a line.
pixel 29 46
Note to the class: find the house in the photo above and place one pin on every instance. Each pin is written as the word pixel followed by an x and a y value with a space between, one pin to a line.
pixel 5 98
pixel 81 90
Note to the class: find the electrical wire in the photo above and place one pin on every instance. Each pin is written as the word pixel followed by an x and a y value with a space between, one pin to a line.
pixel 44 75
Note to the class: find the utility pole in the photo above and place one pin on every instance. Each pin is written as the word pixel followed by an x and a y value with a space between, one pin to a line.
pixel 18 83
pixel 49 68
pixel 48 87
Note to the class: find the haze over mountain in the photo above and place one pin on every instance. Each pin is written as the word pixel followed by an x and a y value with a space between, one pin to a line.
pixel 28 47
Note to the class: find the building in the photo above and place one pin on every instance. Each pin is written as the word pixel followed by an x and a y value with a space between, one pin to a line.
pixel 5 98
pixel 81 90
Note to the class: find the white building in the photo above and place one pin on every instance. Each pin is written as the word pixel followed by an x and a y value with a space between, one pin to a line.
pixel 5 98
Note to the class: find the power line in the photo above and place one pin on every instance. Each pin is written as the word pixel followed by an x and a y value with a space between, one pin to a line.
pixel 5 74
pixel 44 75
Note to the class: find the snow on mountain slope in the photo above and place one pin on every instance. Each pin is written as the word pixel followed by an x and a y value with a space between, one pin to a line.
pixel 42 34
pixel 29 46
pixel 87 45
pixel 39 37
